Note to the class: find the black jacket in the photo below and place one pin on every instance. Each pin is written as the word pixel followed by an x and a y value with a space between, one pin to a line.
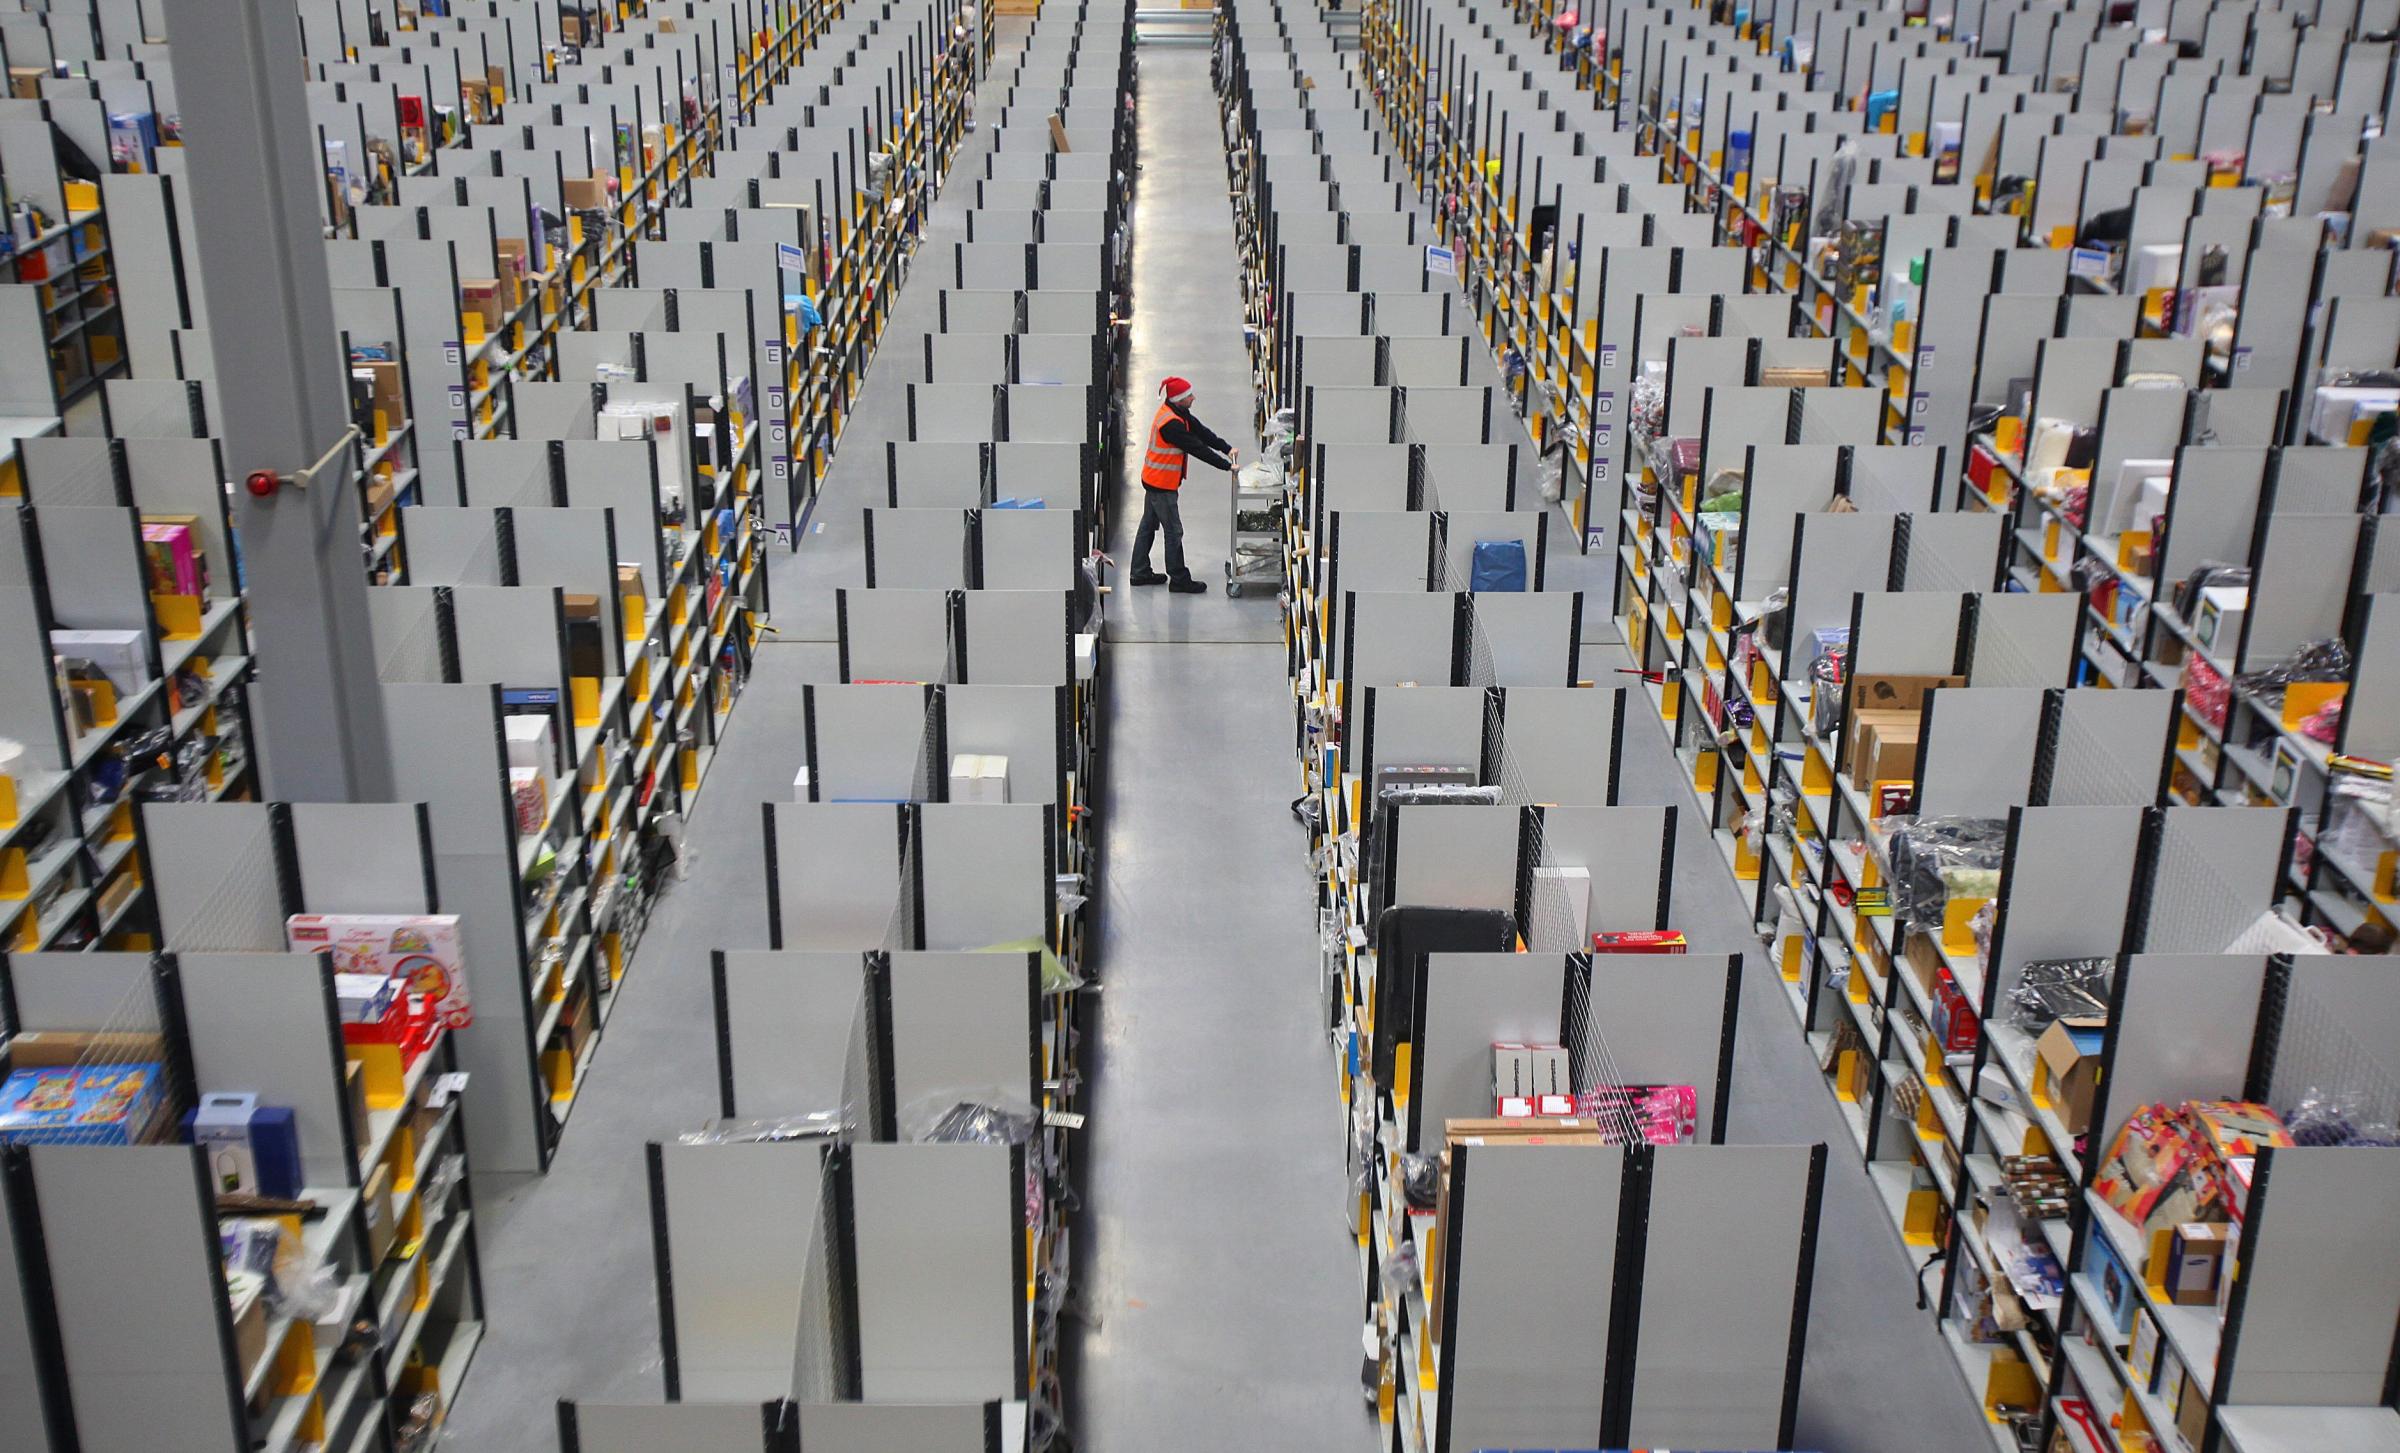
pixel 1186 432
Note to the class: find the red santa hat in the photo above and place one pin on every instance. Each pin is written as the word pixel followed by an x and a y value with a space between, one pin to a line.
pixel 1176 390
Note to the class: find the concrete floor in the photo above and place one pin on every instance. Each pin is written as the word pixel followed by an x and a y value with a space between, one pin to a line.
pixel 1219 1270
pixel 1215 1268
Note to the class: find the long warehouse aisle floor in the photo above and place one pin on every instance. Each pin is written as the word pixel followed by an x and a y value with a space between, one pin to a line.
pixel 1220 1280
pixel 568 1270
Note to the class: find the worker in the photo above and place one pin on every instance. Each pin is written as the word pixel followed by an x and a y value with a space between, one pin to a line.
pixel 1176 437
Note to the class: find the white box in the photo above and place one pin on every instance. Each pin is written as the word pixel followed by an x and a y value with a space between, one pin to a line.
pixel 531 743
pixel 991 778
pixel 1573 886
pixel 1087 656
pixel 2217 625
pixel 122 656
pixel 1552 1073
pixel 1512 1072
pixel 800 785
pixel 966 772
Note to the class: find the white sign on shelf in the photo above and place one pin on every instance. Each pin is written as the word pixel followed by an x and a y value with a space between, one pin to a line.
pixel 1440 262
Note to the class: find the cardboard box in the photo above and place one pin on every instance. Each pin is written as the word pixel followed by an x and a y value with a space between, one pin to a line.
pixel 584 194
pixel 1058 134
pixel 1531 1131
pixel 420 949
pixel 2066 1069
pixel 1923 955
pixel 2217 625
pixel 1896 693
pixel 1512 1072
pixel 354 1095
pixel 1570 886
pixel 103 1103
pixel 510 253
pixel 532 743
pixel 247 1291
pixel 1645 941
pixel 220 1126
pixel 375 1201
pixel 1888 751
pixel 979 777
pixel 481 295
pixel 1552 1076
pixel 2196 1257
pixel 122 656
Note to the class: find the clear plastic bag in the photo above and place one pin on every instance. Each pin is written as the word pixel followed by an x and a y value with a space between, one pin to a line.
pixel 2325 660
pixel 2049 990
pixel 1935 859
pixel 812 1125
pixel 2334 1117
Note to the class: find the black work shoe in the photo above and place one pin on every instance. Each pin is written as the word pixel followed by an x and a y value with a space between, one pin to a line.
pixel 1148 577
pixel 1188 586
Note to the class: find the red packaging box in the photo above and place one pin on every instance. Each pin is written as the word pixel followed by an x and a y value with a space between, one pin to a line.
pixel 1980 463
pixel 1648 941
pixel 1953 1017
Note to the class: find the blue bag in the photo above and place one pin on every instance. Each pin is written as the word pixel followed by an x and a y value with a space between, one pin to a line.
pixel 1498 565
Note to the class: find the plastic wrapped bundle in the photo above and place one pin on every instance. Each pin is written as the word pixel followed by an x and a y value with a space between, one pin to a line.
pixel 1936 859
pixel 2049 990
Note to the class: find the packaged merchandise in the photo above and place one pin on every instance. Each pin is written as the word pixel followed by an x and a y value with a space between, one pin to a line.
pixel 91 1104
pixel 1660 1114
pixel 2048 990
pixel 1645 941
pixel 421 950
pixel 2172 1164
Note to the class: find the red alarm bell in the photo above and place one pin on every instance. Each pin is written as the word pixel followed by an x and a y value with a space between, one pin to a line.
pixel 263 482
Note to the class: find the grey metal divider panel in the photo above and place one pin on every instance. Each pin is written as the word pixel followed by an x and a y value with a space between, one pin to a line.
pixel 790 1020
pixel 1017 638
pixel 1055 359
pixel 984 871
pixel 738 1254
pixel 1396 637
pixel 1366 477
pixel 1379 550
pixel 2214 875
pixel 980 311
pixel 835 873
pixel 65 989
pixel 1532 636
pixel 1531 1262
pixel 2025 639
pixel 1627 850
pixel 889 1427
pixel 509 634
pixel 1440 726
pixel 1047 413
pixel 894 635
pixel 2185 1033
pixel 1471 1002
pixel 2316 1291
pixel 956 357
pixel 934 474
pixel 1020 723
pixel 1977 757
pixel 20 1387
pixel 1029 549
pixel 1454 856
pixel 684 1427
pixel 941 1299
pixel 1478 476
pixel 2112 746
pixel 265 1022
pixel 964 1028
pixel 1560 742
pixel 213 866
pixel 1050 470
pixel 1469 528
pixel 1663 1018
pixel 916 549
pixel 866 741
pixel 1059 309
pixel 452 545
pixel 141 1307
pixel 1722 1281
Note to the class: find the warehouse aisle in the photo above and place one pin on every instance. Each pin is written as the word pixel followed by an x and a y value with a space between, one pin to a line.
pixel 1219 1276
pixel 567 1266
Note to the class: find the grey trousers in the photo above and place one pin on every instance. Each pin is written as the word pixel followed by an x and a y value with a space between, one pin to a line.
pixel 1162 512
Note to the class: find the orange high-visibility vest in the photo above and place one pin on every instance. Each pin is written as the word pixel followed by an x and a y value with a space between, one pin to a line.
pixel 1162 466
